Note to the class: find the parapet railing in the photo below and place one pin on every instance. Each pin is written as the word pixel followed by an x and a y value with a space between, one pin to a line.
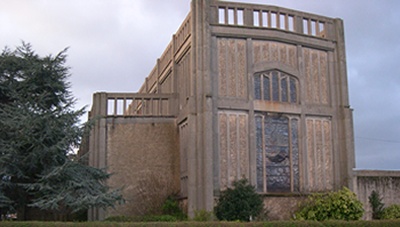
pixel 134 104
pixel 179 40
pixel 261 16
pixel 183 33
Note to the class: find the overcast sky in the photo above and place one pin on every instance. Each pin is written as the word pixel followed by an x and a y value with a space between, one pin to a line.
pixel 114 45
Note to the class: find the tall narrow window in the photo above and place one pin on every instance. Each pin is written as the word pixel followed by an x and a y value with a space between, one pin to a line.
pixel 275 86
pixel 277 157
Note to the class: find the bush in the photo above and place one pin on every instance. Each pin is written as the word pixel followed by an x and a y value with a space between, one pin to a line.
pixel 391 212
pixel 203 215
pixel 171 207
pixel 240 203
pixel 376 204
pixel 340 205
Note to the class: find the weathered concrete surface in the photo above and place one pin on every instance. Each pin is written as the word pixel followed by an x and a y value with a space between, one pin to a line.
pixel 143 157
pixel 386 183
pixel 282 208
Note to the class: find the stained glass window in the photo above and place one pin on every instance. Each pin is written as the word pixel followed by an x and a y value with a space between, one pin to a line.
pixel 259 158
pixel 277 153
pixel 266 88
pixel 275 86
pixel 284 90
pixel 257 87
pixel 293 91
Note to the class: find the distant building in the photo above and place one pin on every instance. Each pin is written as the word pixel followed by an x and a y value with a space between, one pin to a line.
pixel 242 90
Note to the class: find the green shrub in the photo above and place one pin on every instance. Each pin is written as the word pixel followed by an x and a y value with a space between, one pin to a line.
pixel 340 205
pixel 171 207
pixel 203 215
pixel 391 212
pixel 240 203
pixel 376 204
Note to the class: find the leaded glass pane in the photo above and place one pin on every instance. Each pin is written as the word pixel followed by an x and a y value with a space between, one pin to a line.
pixel 259 154
pixel 257 87
pixel 293 91
pixel 295 154
pixel 275 86
pixel 277 154
pixel 284 89
pixel 266 87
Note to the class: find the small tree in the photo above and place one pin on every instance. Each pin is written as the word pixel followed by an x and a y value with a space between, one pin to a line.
pixel 239 203
pixel 340 205
pixel 376 204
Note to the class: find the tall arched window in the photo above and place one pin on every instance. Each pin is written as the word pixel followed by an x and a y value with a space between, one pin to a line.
pixel 275 86
pixel 277 153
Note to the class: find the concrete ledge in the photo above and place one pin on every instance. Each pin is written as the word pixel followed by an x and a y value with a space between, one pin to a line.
pixel 376 173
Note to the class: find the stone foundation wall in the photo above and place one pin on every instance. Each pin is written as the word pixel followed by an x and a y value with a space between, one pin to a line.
pixel 282 208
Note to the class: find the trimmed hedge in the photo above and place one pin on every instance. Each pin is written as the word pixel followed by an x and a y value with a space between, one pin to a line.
pixel 375 223
pixel 145 218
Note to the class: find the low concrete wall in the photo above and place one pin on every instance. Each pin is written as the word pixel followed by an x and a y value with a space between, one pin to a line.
pixel 386 183
pixel 143 155
pixel 282 207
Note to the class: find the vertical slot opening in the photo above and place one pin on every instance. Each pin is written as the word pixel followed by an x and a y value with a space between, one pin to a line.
pixel 282 21
pixel 256 18
pixel 265 19
pixel 240 16
pixel 110 106
pixel 305 26
pixel 221 15
pixel 291 23
pixel 273 19
pixel 231 16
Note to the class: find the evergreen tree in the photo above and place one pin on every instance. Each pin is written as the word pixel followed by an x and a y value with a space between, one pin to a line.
pixel 39 128
pixel 375 201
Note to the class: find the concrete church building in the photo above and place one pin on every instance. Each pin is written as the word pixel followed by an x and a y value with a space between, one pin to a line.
pixel 242 90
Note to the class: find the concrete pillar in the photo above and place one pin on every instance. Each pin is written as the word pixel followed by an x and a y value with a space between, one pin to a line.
pixel 345 127
pixel 200 194
pixel 97 145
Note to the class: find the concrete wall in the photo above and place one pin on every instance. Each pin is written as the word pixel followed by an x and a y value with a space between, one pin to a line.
pixel 386 183
pixel 282 208
pixel 143 156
